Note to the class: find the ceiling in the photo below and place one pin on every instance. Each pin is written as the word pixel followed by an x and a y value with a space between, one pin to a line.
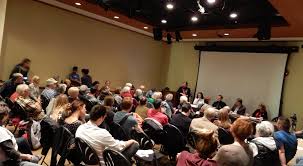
pixel 144 15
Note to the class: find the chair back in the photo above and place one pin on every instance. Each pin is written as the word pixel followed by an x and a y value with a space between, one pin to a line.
pixel 44 102
pixel 174 140
pixel 144 141
pixel 118 132
pixel 89 155
pixel 154 130
pixel 19 111
pixel 225 136
pixel 9 103
pixel 191 139
pixel 115 158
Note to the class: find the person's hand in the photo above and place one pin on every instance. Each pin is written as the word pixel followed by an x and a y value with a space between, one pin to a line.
pixel 28 157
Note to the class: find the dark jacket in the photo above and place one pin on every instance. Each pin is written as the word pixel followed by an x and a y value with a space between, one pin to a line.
pixel 219 104
pixel 8 88
pixel 19 69
pixel 266 156
pixel 87 80
pixel 241 110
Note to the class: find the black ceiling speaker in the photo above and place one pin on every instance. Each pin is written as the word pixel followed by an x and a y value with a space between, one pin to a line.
pixel 168 36
pixel 178 36
pixel 157 34
pixel 264 30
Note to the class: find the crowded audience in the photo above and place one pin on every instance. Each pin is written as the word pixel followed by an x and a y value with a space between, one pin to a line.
pixel 89 111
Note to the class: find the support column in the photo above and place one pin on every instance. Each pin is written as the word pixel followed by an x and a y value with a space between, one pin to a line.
pixel 3 4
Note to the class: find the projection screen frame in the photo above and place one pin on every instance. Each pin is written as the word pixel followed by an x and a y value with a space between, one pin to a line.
pixel 251 49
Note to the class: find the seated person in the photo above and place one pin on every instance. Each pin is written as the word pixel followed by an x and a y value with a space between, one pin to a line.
pixel 286 142
pixel 141 109
pixel 182 120
pixel 100 139
pixel 61 89
pixel 219 103
pixel 223 120
pixel 9 87
pixel 73 94
pixel 183 99
pixel 127 120
pixel 91 95
pixel 238 107
pixel 264 146
pixel 33 109
pixel 167 105
pixel 9 154
pixel 261 112
pixel 205 121
pixel 199 100
pixel 157 114
pixel 34 88
pixel 60 104
pixel 239 153
pixel 50 90
pixel 206 146
pixel 73 116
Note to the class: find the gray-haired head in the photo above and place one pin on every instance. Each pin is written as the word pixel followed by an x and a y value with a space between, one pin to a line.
pixel 265 129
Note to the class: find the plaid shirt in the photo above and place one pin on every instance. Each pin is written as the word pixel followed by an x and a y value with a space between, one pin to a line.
pixel 30 107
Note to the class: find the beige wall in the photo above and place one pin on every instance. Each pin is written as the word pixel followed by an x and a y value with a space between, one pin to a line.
pixel 2 20
pixel 56 39
pixel 293 86
pixel 182 65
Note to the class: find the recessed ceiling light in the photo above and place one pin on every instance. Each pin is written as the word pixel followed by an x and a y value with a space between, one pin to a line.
pixel 226 34
pixel 145 27
pixel 169 6
pixel 194 19
pixel 233 15
pixel 164 21
pixel 116 17
pixel 194 35
pixel 211 1
pixel 78 3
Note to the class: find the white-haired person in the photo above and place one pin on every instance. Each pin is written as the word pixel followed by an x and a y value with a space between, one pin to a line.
pixel 167 103
pixel 183 100
pixel 138 94
pixel 205 122
pixel 32 107
pixel 34 88
pixel 264 145
pixel 125 91
pixel 73 94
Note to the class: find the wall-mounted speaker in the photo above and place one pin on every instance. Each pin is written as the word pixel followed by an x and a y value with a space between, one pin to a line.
pixel 157 34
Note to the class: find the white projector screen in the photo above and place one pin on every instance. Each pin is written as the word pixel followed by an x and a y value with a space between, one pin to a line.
pixel 254 77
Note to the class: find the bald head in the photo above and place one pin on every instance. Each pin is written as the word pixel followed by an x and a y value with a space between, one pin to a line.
pixel 210 113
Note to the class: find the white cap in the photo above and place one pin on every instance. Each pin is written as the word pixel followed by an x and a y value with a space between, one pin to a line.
pixel 51 81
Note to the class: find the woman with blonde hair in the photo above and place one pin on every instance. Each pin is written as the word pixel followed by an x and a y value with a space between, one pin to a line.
pixel 223 120
pixel 34 88
pixel 206 145
pixel 59 106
